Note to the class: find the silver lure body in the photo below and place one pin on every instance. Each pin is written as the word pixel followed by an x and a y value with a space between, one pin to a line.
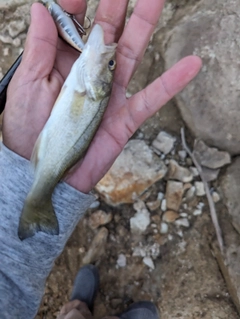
pixel 65 25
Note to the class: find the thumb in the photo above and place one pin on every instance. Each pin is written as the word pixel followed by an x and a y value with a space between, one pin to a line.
pixel 41 44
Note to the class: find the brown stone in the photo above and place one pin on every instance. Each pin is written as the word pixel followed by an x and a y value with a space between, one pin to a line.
pixel 153 205
pixel 170 216
pixel 99 218
pixel 97 247
pixel 174 193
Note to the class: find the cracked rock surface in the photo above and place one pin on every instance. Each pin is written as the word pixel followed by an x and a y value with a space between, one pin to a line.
pixel 169 259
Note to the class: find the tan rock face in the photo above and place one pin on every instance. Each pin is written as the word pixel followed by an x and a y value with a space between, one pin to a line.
pixel 134 171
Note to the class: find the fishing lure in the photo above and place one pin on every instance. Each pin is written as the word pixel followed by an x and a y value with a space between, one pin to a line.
pixel 68 28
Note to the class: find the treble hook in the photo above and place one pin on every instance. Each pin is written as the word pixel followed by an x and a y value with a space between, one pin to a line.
pixel 80 28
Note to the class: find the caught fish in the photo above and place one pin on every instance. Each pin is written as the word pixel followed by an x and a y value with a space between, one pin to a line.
pixel 69 130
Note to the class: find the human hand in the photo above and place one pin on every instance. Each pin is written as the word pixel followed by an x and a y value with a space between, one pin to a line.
pixel 47 61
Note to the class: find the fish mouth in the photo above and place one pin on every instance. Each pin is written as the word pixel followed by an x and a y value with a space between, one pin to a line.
pixel 96 40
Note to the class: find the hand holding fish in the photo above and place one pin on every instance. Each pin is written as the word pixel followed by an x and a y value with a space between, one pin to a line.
pixel 47 61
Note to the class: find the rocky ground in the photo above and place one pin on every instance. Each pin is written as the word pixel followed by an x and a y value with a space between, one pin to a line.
pixel 149 231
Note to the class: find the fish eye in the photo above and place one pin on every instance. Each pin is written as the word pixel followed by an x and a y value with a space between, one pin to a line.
pixel 111 65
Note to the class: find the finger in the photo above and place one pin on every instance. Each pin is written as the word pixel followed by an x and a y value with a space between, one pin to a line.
pixel 148 101
pixel 76 7
pixel 111 16
pixel 135 38
pixel 40 48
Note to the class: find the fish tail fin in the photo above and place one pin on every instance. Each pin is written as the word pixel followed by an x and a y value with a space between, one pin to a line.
pixel 35 218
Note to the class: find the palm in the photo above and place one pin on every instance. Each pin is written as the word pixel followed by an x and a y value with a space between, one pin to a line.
pixel 123 116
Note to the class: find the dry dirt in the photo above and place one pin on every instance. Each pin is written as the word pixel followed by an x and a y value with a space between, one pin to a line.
pixel 186 282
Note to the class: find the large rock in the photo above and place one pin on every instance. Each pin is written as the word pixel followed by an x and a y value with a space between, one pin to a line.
pixel 210 104
pixel 229 264
pixel 231 192
pixel 135 170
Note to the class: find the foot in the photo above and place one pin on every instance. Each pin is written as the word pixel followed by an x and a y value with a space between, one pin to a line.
pixel 86 285
pixel 141 310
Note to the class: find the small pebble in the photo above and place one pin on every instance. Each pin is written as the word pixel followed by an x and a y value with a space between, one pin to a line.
pixel 156 219
pixel 95 204
pixel 174 192
pixel 6 51
pixel 163 157
pixel 197 212
pixel 194 171
pixel 160 196
pixel 164 205
pixel 200 205
pixel 180 233
pixel 182 222
pixel 185 215
pixel 215 197
pixel 16 42
pixel 128 94
pixel 156 56
pixel 189 161
pixel 139 251
pixel 121 261
pixel 182 246
pixel 190 193
pixel 170 216
pixel 99 218
pixel 163 228
pixel 149 262
pixel 164 142
pixel 140 221
pixel 140 135
pixel 153 205
pixel 200 191
pixel 182 154
pixel 186 186
pixel 179 173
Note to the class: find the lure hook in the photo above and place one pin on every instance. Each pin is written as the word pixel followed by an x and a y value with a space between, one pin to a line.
pixel 80 28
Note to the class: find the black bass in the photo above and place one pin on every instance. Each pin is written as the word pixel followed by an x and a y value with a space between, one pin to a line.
pixel 69 130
